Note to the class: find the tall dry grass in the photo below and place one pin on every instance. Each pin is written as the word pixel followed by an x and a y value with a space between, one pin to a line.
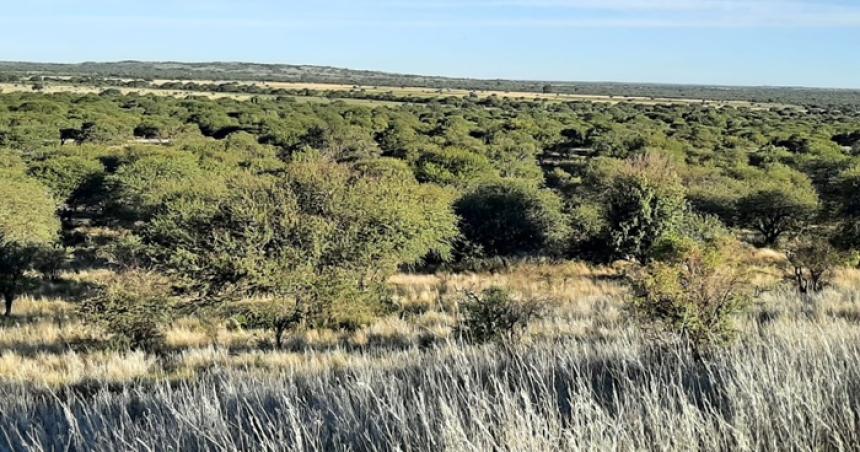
pixel 582 379
pixel 796 387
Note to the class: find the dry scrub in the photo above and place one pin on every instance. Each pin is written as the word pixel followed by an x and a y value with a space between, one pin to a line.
pixel 581 379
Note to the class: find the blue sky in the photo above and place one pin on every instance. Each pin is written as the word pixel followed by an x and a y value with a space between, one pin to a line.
pixel 741 42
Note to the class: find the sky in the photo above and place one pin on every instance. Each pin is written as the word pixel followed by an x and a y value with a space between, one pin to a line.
pixel 726 42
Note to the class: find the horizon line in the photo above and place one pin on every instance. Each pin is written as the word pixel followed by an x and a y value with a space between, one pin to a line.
pixel 444 77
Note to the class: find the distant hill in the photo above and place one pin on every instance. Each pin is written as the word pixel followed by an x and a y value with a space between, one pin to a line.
pixel 325 74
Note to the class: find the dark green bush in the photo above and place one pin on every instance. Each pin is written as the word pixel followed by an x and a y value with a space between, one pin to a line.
pixel 645 201
pixel 511 218
pixel 813 260
pixel 496 314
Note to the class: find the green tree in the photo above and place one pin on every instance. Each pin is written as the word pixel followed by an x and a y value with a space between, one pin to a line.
pixel 510 218
pixel 69 178
pixel 779 203
pixel 320 240
pixel 28 224
pixel 644 202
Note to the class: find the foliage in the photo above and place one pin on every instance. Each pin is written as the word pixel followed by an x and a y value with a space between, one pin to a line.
pixel 780 203
pixel 645 202
pixel 454 167
pixel 624 172
pixel 813 260
pixel 103 132
pixel 693 231
pixel 51 261
pixel 69 177
pixel 693 296
pixel 132 307
pixel 138 187
pixel 496 314
pixel 322 236
pixel 511 218
pixel 28 224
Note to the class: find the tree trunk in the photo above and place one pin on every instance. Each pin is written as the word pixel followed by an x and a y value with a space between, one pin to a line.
pixel 9 297
pixel 279 334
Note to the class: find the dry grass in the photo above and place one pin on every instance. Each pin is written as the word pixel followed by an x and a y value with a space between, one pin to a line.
pixel 71 368
pixel 581 379
pixel 586 304
pixel 561 284
pixel 398 91
pixel 794 387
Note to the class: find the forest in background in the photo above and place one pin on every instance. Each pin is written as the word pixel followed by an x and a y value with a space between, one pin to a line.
pixel 220 71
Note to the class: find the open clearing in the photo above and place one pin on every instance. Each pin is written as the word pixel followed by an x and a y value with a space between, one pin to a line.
pixel 80 89
pixel 417 92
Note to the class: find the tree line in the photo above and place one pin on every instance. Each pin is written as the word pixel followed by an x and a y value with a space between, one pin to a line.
pixel 148 71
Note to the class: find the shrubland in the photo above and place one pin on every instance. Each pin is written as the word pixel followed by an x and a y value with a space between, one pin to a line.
pixel 555 268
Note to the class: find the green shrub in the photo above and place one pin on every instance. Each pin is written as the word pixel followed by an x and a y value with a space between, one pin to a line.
pixel 69 177
pixel 496 314
pixel 72 180
pixel 142 185
pixel 645 201
pixel 693 296
pixel 453 166
pixel 51 261
pixel 511 218
pixel 132 307
pixel 693 231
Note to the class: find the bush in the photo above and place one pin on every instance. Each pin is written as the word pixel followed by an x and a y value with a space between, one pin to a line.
pixel 645 202
pixel 321 235
pixel 813 261
pixel 51 261
pixel 69 178
pixel 511 218
pixel 693 231
pixel 454 167
pixel 694 296
pixel 140 186
pixel 496 314
pixel 132 307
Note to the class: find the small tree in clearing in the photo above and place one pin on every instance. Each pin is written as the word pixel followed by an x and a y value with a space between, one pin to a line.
pixel 132 307
pixel 496 314
pixel 813 262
